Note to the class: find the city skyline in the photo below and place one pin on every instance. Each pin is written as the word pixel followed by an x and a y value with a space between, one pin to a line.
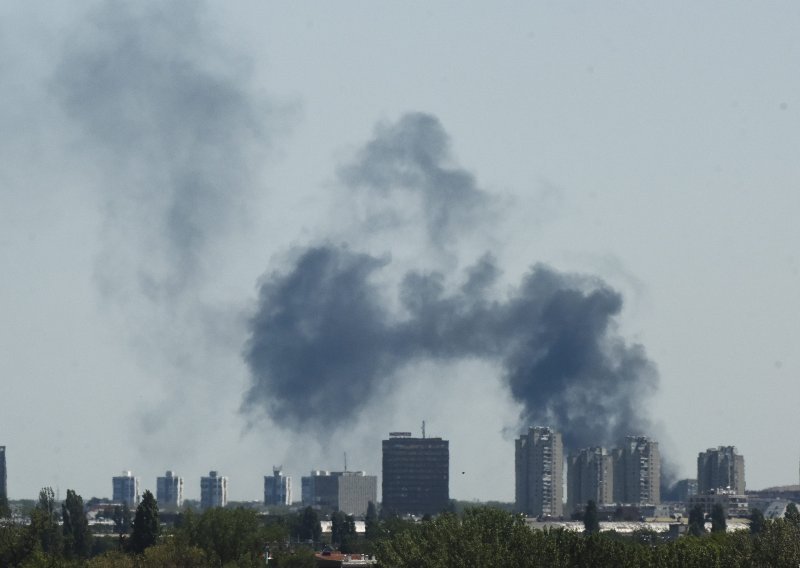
pixel 274 230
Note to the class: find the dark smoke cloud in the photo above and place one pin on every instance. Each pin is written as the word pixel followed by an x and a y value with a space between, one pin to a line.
pixel 173 127
pixel 413 155
pixel 323 341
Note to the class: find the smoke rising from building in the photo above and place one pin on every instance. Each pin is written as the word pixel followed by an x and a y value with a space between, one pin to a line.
pixel 328 330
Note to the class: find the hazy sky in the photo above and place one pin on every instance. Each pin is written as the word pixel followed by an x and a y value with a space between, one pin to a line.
pixel 190 191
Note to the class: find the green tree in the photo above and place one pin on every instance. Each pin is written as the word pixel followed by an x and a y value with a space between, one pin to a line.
pixel 5 509
pixel 591 523
pixel 756 521
pixel 308 527
pixel 337 528
pixel 44 530
pixel 122 519
pixel 146 527
pixel 349 543
pixel 75 527
pixel 372 527
pixel 719 523
pixel 697 521
pixel 792 515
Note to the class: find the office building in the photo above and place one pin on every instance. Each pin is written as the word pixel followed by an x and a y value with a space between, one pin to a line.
pixel 539 473
pixel 213 491
pixel 590 477
pixel 637 472
pixel 347 491
pixel 125 489
pixel 416 474
pixel 3 473
pixel 277 488
pixel 720 468
pixel 169 491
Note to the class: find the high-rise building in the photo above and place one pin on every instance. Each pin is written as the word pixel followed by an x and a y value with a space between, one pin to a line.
pixel 125 489
pixel 720 468
pixel 347 491
pixel 416 474
pixel 3 473
pixel 213 491
pixel 277 488
pixel 590 477
pixel 637 472
pixel 539 473
pixel 169 491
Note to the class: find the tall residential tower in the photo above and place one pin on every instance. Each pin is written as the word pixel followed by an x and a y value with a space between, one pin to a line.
pixel 637 472
pixel 213 491
pixel 720 468
pixel 539 472
pixel 169 491
pixel 125 489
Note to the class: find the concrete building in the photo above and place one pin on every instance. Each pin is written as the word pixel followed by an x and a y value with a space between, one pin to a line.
pixel 735 505
pixel 416 474
pixel 3 473
pixel 720 468
pixel 637 472
pixel 277 488
pixel 169 491
pixel 590 477
pixel 684 489
pixel 125 489
pixel 539 473
pixel 213 491
pixel 347 491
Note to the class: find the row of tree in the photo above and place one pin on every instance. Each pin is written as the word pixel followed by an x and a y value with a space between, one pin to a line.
pixel 492 538
pixel 481 537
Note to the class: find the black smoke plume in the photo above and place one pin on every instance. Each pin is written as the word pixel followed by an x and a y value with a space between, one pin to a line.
pixel 413 156
pixel 323 338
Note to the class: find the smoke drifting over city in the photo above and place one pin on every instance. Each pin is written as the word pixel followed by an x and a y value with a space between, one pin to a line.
pixel 173 129
pixel 328 330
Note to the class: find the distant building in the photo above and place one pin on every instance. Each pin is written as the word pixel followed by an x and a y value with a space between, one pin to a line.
pixel 277 488
pixel 416 474
pixel 637 472
pixel 213 491
pixel 720 468
pixel 684 489
pixel 125 489
pixel 3 473
pixel 347 491
pixel 539 473
pixel 735 505
pixel 169 491
pixel 590 477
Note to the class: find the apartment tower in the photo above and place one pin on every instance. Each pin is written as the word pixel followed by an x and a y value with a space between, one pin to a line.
pixel 637 472
pixel 213 491
pixel 277 488
pixel 720 468
pixel 125 489
pixel 169 491
pixel 590 477
pixel 539 473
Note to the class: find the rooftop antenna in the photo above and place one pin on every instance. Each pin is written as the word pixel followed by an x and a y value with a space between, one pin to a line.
pixel 345 461
pixel 423 429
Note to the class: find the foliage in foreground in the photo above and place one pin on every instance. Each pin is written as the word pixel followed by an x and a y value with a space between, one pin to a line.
pixel 490 538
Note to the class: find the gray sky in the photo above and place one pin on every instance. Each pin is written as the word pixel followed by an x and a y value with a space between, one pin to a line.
pixel 160 166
